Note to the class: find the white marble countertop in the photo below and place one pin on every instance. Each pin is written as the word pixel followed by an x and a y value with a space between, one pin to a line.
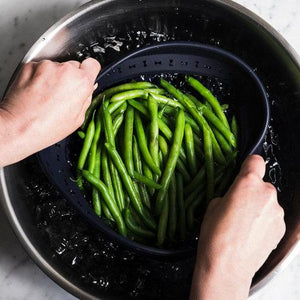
pixel 21 23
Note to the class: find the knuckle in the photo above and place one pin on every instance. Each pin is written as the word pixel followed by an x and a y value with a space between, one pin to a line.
pixel 249 178
pixel 45 63
pixel 28 66
pixel 270 190
pixel 65 67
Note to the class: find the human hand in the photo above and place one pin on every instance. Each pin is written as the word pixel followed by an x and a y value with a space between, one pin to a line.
pixel 45 103
pixel 238 233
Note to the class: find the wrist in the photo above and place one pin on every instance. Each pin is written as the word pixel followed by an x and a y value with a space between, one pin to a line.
pixel 11 139
pixel 219 279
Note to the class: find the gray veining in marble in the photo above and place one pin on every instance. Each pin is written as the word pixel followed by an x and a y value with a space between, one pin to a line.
pixel 21 23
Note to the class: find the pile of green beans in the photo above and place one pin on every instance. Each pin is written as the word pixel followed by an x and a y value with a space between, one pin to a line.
pixel 153 157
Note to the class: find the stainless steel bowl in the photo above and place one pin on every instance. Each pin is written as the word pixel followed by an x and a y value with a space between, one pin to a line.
pixel 218 22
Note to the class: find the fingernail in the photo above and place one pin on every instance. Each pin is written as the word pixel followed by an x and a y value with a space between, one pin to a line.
pixel 95 86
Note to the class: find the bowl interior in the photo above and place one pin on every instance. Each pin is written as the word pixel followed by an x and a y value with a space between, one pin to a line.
pixel 48 228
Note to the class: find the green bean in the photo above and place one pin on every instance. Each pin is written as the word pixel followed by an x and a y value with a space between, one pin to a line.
pixel 181 209
pixel 79 180
pixel 189 105
pixel 163 146
pixel 108 126
pixel 109 92
pixel 117 186
pixel 128 132
pixel 138 166
pixel 141 137
pixel 157 91
pixel 206 93
pixel 145 180
pixel 162 126
pixel 148 173
pixel 135 228
pixel 162 111
pixel 198 146
pixel 193 124
pixel 180 165
pixel 106 173
pixel 89 112
pixel 213 119
pixel 166 109
pixel 93 149
pixel 112 107
pixel 182 169
pixel 172 160
pixel 160 156
pixel 226 181
pixel 216 147
pixel 120 110
pixel 188 119
pixel 128 86
pixel 87 143
pixel 154 130
pixel 95 193
pixel 81 134
pixel 173 209
pixel 194 194
pixel 169 135
pixel 108 200
pixel 190 148
pixel 194 99
pixel 190 211
pixel 234 127
pixel 129 95
pixel 96 202
pixel 128 184
pixel 139 107
pixel 196 201
pixel 198 179
pixel 107 212
pixel 165 100
pixel 206 103
pixel 163 221
pixel 117 123
pixel 222 141
pixel 209 164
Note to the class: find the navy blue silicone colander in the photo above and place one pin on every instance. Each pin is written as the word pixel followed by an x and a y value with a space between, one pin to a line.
pixel 250 105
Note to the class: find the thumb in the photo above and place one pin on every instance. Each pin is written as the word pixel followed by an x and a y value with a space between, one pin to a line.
pixel 254 164
pixel 92 68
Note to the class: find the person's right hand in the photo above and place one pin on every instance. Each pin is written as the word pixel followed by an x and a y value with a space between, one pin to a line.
pixel 45 103
pixel 238 233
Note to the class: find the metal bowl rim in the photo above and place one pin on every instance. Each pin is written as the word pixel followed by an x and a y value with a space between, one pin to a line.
pixel 4 195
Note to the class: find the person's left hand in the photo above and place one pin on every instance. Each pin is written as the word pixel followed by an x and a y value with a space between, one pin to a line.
pixel 46 102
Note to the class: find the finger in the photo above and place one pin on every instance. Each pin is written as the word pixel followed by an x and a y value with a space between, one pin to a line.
pixel 92 67
pixel 74 63
pixel 253 164
pixel 95 86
